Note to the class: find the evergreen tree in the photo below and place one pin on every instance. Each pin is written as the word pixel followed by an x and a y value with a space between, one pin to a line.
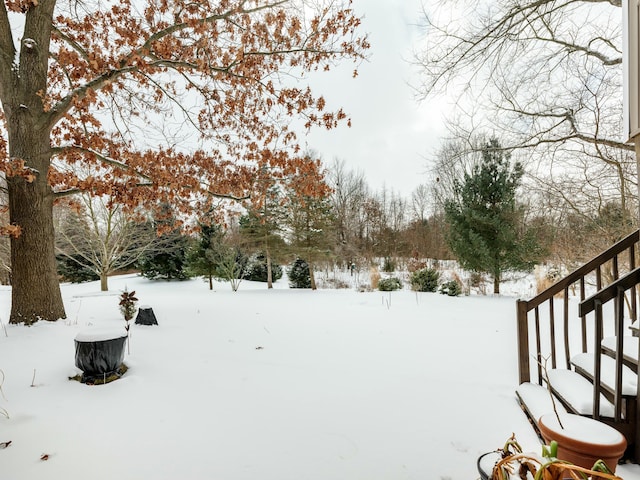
pixel 167 257
pixel 168 263
pixel 486 231
pixel 72 270
pixel 311 224
pixel 214 256
pixel 258 270
pixel 262 225
pixel 310 219
pixel 202 256
pixel 298 273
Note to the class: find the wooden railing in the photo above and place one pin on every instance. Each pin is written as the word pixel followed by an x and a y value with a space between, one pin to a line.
pixel 580 282
pixel 615 291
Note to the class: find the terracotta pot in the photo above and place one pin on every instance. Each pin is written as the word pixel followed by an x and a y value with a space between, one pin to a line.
pixel 583 440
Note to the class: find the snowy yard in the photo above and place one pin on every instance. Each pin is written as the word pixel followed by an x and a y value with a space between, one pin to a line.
pixel 266 385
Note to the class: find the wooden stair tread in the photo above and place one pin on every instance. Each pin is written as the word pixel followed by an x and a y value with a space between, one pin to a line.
pixel 536 400
pixel 577 393
pixel 629 348
pixel 584 362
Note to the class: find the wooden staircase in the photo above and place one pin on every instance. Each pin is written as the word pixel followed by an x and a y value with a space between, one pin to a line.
pixel 579 339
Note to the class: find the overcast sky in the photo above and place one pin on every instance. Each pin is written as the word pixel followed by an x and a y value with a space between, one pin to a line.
pixel 391 131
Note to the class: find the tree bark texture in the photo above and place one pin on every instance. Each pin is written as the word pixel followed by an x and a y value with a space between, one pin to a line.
pixel 35 292
pixel 35 287
pixel 104 282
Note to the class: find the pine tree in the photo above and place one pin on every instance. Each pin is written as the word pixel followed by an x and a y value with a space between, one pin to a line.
pixel 486 230
pixel 312 229
pixel 299 275
pixel 201 257
pixel 214 257
pixel 167 257
pixel 262 225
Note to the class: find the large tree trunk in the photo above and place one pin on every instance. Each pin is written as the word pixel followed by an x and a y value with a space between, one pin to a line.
pixel 35 293
pixel 35 288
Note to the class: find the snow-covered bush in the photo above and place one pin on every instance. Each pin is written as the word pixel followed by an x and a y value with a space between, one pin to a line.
pixel 389 284
pixel 425 280
pixel 451 288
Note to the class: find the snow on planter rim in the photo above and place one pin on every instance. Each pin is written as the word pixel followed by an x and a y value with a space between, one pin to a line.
pixel 583 428
pixel 100 334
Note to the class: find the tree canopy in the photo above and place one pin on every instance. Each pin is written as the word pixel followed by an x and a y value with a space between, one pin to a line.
pixel 149 102
pixel 546 77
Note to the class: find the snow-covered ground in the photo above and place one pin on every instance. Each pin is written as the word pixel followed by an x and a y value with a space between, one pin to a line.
pixel 266 385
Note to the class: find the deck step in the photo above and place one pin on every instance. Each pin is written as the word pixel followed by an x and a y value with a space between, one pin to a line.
pixel 584 364
pixel 536 400
pixel 629 349
pixel 576 392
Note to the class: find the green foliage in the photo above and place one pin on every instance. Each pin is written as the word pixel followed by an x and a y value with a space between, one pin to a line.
pixel 311 223
pixel 73 271
pixel 213 257
pixel 389 284
pixel 486 225
pixel 299 276
pixel 260 230
pixel 167 257
pixel 167 264
pixel 202 255
pixel 256 270
pixel 451 288
pixel 425 280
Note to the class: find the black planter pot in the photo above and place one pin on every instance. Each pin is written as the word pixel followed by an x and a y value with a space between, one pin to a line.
pixel 486 463
pixel 146 316
pixel 99 353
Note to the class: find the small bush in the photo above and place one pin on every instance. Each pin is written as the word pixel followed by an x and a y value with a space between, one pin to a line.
pixel 256 270
pixel 299 274
pixel 425 280
pixel 389 284
pixel 451 288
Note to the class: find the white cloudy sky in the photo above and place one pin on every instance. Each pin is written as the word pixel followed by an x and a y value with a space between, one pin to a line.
pixel 392 132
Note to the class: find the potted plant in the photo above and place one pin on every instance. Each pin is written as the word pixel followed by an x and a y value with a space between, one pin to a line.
pixel 511 463
pixel 99 354
pixel 581 440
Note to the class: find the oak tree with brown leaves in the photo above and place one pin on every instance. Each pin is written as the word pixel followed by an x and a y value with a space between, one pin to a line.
pixel 152 101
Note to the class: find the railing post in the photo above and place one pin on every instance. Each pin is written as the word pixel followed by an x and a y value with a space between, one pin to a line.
pixel 597 338
pixel 523 342
pixel 619 325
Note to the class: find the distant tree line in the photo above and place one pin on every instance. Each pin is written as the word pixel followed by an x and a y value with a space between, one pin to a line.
pixel 477 209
